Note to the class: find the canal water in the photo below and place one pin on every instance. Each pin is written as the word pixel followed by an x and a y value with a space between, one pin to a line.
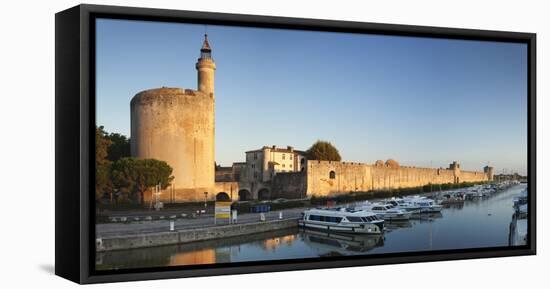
pixel 474 224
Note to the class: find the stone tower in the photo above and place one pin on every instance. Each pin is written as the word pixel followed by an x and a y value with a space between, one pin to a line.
pixel 177 126
pixel 490 172
pixel 455 167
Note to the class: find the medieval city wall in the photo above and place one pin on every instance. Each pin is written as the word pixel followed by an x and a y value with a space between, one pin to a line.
pixel 174 195
pixel 327 178
pixel 466 176
pixel 290 185
pixel 383 177
pixel 230 188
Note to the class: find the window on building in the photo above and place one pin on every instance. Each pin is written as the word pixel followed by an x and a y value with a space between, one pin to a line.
pixel 291 157
pixel 255 156
pixel 253 165
pixel 283 165
pixel 291 165
pixel 283 156
pixel 332 175
pixel 255 175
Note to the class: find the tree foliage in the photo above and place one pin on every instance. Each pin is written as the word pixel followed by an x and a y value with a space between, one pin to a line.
pixel 101 146
pixel 102 164
pixel 116 171
pixel 136 176
pixel 103 182
pixel 119 148
pixel 323 151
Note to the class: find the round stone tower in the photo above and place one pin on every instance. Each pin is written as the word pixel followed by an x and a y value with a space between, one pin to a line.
pixel 490 172
pixel 177 126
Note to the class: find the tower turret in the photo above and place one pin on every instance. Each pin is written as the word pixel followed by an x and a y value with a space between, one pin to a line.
pixel 206 67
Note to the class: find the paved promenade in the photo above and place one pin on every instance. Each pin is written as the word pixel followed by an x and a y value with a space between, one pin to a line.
pixel 156 226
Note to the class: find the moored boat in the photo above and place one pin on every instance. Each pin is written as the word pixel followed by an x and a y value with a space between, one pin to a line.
pixel 520 199
pixel 452 198
pixel 386 211
pixel 342 220
pixel 401 204
pixel 518 231
pixel 426 205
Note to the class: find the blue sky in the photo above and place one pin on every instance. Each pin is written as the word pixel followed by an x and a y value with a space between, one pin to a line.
pixel 421 101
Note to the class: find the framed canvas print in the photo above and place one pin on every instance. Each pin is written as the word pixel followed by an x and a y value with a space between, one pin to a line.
pixel 193 144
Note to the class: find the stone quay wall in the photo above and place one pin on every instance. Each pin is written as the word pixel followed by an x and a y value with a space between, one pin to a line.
pixel 188 236
pixel 290 185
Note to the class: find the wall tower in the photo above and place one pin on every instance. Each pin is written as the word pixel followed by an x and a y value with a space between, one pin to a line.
pixel 490 172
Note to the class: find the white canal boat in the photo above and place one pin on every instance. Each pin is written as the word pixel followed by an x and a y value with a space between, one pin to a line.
pixel 518 231
pixel 386 211
pixel 521 200
pixel 426 205
pixel 399 203
pixel 342 220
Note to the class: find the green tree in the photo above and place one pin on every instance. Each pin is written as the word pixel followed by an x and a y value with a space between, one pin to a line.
pixel 101 146
pixel 102 164
pixel 119 148
pixel 323 151
pixel 103 182
pixel 138 175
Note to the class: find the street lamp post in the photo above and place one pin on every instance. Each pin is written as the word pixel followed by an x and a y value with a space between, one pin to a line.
pixel 205 199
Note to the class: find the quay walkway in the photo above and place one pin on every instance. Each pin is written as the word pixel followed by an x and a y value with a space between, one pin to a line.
pixel 119 236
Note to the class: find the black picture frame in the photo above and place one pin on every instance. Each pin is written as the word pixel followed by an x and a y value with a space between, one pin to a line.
pixel 75 146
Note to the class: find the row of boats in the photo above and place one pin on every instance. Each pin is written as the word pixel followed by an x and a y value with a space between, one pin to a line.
pixel 367 217
pixel 473 193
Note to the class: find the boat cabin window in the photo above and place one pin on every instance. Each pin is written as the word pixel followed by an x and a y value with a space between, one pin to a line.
pixel 379 208
pixel 354 219
pixel 369 218
pixel 325 218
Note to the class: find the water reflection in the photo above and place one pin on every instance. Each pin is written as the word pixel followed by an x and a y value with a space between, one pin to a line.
pixel 398 224
pixel 205 252
pixel 457 205
pixel 329 244
pixel 472 224
pixel 203 256
pixel 274 243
